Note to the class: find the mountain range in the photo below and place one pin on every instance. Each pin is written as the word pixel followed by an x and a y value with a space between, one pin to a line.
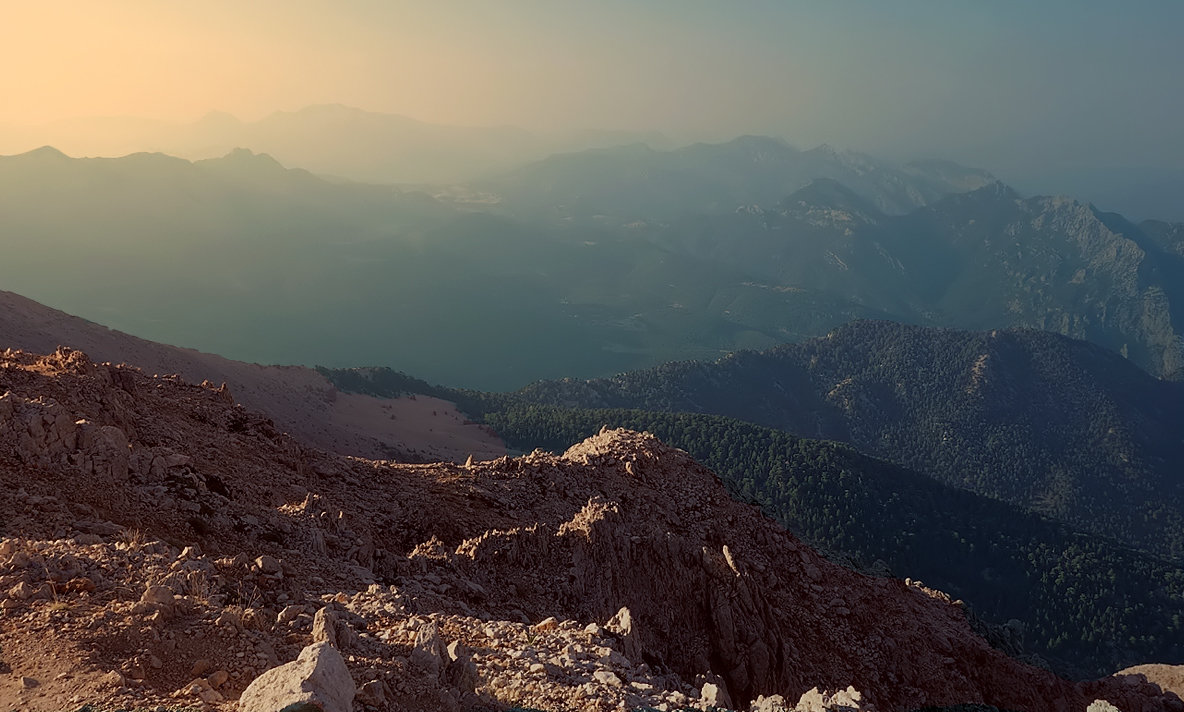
pixel 328 139
pixel 287 254
pixel 625 184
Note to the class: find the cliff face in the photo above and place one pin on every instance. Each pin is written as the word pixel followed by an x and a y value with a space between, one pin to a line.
pixel 163 544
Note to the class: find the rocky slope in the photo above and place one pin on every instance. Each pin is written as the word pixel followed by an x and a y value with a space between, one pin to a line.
pixel 162 544
pixel 299 400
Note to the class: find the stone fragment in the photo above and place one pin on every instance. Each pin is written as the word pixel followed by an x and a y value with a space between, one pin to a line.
pixel 81 584
pixel 160 595
pixel 715 696
pixel 317 680
pixel 326 625
pixel 229 618
pixel 289 614
pixel 461 671
pixel 772 703
pixel 428 653
pixel 621 625
pixel 268 565
pixel 816 700
pixel 258 619
pixel 372 693
pixel 112 679
pixel 608 677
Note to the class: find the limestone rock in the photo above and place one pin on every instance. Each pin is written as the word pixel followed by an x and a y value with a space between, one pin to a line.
pixel 461 671
pixel 372 693
pixel 428 653
pixel 816 700
pixel 329 626
pixel 772 703
pixel 622 625
pixel 714 696
pixel 318 678
pixel 289 614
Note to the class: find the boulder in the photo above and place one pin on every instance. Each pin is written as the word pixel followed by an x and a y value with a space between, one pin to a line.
pixel 428 653
pixel 268 565
pixel 713 695
pixel 373 693
pixel 315 681
pixel 816 700
pixel 330 626
pixel 461 671
pixel 621 625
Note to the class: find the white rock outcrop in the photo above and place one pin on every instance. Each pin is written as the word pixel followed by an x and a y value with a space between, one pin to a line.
pixel 317 678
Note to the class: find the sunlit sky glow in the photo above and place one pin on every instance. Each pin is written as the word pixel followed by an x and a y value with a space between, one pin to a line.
pixel 1004 84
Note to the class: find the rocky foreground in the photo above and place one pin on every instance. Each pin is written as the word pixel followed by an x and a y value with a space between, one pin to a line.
pixel 164 546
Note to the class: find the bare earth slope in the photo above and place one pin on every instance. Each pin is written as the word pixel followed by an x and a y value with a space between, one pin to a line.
pixel 299 400
pixel 161 544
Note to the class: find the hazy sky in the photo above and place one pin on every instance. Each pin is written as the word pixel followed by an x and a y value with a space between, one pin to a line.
pixel 1053 83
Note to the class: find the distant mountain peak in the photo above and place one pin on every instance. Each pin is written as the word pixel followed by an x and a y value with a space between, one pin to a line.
pixel 44 153
pixel 825 149
pixel 994 192
pixel 245 156
pixel 758 140
pixel 824 189
pixel 997 189
pixel 751 144
pixel 825 200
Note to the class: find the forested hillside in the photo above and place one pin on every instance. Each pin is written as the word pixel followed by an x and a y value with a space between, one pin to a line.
pixel 1060 426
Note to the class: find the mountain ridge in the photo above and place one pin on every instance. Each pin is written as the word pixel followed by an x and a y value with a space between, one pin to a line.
pixel 936 400
pixel 647 184
pixel 510 561
pixel 332 139
pixel 298 399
